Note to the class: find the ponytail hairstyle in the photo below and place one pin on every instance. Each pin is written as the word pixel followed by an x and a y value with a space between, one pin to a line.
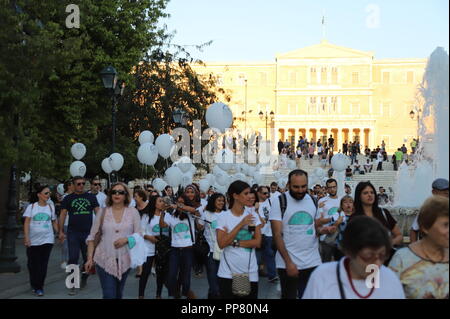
pixel 236 187
pixel 37 189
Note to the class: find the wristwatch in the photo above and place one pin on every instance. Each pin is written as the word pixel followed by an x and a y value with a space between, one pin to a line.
pixel 236 243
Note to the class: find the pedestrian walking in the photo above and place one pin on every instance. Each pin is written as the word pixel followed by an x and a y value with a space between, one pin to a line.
pixel 366 243
pixel 80 207
pixel 293 225
pixel 117 225
pixel 40 221
pixel 209 219
pixel 238 233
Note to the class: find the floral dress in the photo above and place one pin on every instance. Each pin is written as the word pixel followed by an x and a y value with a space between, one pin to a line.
pixel 421 278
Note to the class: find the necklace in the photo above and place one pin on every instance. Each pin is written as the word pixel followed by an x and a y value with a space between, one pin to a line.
pixel 347 269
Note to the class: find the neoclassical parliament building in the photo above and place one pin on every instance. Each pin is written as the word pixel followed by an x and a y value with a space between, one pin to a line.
pixel 324 90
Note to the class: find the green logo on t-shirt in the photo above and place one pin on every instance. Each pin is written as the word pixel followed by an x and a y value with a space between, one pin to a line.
pixel 156 229
pixel 81 206
pixel 41 217
pixel 181 228
pixel 332 211
pixel 214 224
pixel 244 234
pixel 301 218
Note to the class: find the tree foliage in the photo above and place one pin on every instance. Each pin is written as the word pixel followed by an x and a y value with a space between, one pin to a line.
pixel 49 75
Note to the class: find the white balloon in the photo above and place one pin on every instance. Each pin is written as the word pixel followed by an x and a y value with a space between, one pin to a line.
pixel 173 176
pixel 244 168
pixel 184 164
pixel 251 171
pixel 165 144
pixel 217 169
pixel 147 154
pixel 218 115
pixel 60 189
pixel 25 178
pixel 224 159
pixel 186 179
pixel 106 166
pixel 319 172
pixel 146 137
pixel 77 168
pixel 259 179
pixel 339 162
pixel 193 169
pixel 116 161
pixel 204 185
pixel 281 183
pixel 210 178
pixel 222 178
pixel 238 177
pixel 159 184
pixel 78 150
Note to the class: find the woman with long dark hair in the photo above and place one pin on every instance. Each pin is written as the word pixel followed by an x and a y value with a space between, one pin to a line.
pixel 238 240
pixel 39 236
pixel 182 225
pixel 366 204
pixel 209 217
pixel 152 232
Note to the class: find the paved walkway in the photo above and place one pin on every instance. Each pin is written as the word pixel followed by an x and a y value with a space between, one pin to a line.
pixel 16 286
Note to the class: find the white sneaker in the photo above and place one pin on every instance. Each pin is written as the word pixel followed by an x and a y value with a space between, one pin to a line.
pixel 63 265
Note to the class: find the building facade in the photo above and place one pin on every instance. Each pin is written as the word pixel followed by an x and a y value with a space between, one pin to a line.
pixel 324 90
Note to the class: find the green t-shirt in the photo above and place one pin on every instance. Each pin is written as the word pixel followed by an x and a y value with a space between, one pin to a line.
pixel 399 155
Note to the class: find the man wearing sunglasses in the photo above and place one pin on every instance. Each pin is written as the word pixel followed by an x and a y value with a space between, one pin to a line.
pixel 96 189
pixel 80 206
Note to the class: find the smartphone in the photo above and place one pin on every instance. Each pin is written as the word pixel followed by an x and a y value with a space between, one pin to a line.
pixel 167 200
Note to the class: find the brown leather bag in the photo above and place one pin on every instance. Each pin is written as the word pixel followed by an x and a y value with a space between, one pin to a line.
pixel 98 235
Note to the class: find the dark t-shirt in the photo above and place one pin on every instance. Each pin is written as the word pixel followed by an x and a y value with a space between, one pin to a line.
pixel 389 222
pixel 80 209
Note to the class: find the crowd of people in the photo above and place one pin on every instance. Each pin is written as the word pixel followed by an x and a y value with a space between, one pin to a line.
pixel 309 241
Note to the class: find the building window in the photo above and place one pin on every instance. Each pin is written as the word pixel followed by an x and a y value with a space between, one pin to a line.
pixel 292 78
pixel 241 79
pixel 334 75
pixel 355 78
pixel 323 75
pixel 312 108
pixel 263 76
pixel 219 79
pixel 333 106
pixel 386 77
pixel 313 75
pixel 355 108
pixel 323 104
pixel 410 77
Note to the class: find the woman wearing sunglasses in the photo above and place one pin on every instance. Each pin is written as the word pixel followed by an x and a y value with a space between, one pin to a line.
pixel 361 273
pixel 39 237
pixel 112 256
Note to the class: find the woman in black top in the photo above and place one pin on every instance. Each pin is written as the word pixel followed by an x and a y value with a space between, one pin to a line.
pixel 366 203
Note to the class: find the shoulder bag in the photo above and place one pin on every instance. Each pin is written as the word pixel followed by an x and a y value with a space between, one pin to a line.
pixel 162 249
pixel 240 285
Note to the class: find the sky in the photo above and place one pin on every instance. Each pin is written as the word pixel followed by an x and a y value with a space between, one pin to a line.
pixel 258 30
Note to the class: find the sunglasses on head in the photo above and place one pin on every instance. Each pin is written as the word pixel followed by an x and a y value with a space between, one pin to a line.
pixel 116 192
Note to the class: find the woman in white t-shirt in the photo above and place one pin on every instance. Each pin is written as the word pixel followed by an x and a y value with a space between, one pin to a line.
pixel 208 221
pixel 238 240
pixel 182 225
pixel 39 236
pixel 361 273
pixel 150 226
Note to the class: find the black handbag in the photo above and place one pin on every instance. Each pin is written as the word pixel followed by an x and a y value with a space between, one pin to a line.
pixel 201 246
pixel 162 250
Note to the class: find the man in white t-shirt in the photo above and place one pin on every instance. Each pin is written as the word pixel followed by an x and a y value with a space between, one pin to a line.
pixel 268 254
pixel 274 193
pixel 96 189
pixel 328 215
pixel 295 236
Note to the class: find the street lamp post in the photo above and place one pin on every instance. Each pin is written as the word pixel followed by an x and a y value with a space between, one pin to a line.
pixel 8 256
pixel 411 115
pixel 115 89
pixel 266 116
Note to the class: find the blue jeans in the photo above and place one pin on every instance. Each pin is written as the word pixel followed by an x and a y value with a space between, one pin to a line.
pixel 111 286
pixel 268 255
pixel 212 267
pixel 180 259
pixel 77 242
pixel 65 249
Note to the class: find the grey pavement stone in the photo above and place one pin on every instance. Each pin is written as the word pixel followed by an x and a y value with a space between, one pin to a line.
pixel 16 286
